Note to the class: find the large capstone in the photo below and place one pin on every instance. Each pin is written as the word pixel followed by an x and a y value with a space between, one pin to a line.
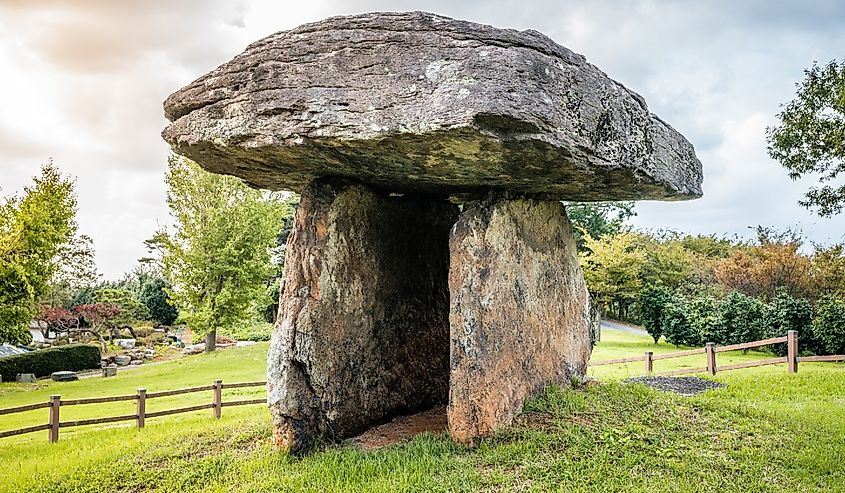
pixel 363 332
pixel 520 313
pixel 416 102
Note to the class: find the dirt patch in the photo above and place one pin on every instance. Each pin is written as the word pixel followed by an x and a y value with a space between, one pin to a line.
pixel 678 385
pixel 402 429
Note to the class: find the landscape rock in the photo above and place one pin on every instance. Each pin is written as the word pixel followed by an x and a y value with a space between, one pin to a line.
pixel 122 360
pixel 520 316
pixel 136 362
pixel 363 331
pixel 109 371
pixel 64 376
pixel 416 102
pixel 194 348
pixel 25 378
pixel 125 343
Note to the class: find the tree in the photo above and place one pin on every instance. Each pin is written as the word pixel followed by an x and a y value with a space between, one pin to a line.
pixel 810 139
pixel 154 296
pixel 597 219
pixel 218 255
pixel 612 266
pixel 676 324
pixel 33 229
pixel 99 319
pixel 652 304
pixel 75 270
pixel 131 310
pixel 741 318
pixel 785 313
pixel 829 325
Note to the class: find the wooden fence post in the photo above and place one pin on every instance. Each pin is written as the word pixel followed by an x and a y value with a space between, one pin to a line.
pixel 55 404
pixel 649 362
pixel 141 409
pixel 710 349
pixel 218 398
pixel 792 351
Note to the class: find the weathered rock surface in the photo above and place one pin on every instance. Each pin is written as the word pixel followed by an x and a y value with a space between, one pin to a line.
pixel 363 331
pixel 64 376
pixel 416 102
pixel 520 316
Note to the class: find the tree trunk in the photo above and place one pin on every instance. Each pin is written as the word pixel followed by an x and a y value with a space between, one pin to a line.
pixel 210 341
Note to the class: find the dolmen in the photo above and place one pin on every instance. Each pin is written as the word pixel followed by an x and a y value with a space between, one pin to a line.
pixel 431 259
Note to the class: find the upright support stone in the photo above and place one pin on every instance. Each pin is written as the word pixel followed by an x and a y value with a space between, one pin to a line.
pixel 520 314
pixel 363 331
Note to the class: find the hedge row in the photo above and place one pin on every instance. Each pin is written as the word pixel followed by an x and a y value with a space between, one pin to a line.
pixel 73 357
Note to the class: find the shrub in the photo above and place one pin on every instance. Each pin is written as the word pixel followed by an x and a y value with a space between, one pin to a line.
pixel 703 315
pixel 73 357
pixel 676 324
pixel 652 303
pixel 249 330
pixel 786 313
pixel 829 326
pixel 741 318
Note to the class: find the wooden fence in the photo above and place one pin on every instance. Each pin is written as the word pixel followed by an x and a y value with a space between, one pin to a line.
pixel 710 350
pixel 56 403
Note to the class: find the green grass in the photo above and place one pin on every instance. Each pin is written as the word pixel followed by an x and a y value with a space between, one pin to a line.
pixel 766 431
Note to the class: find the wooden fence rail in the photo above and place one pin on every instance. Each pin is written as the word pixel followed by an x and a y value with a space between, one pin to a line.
pixel 56 403
pixel 710 350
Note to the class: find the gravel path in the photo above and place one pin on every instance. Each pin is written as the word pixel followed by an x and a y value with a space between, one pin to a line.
pixel 678 385
pixel 633 329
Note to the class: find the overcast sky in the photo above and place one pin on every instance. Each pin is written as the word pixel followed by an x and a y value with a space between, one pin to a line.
pixel 83 82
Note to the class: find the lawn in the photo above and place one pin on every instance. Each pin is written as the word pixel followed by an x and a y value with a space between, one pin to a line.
pixel 766 431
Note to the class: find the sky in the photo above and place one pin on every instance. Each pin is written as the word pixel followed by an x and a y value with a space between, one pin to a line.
pixel 83 83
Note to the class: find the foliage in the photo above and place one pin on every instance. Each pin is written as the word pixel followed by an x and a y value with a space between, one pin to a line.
pixel 829 325
pixel 33 230
pixel 75 270
pixel 785 313
pixel 828 271
pixel 810 139
pixel 249 330
pixel 72 357
pixel 154 296
pixel 676 324
pixel 218 257
pixel 741 319
pixel 612 267
pixel 597 219
pixel 774 263
pixel 652 303
pixel 130 310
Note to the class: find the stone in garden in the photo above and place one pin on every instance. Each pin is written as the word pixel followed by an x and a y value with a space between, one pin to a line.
pixel 25 378
pixel 383 122
pixel 122 360
pixel 194 348
pixel 136 362
pixel 125 343
pixel 64 376
pixel 109 371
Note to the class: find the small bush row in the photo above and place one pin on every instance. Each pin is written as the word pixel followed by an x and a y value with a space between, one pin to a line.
pixel 693 319
pixel 73 357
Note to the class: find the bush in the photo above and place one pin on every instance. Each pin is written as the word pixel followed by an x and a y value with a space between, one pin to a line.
pixel 652 303
pixel 676 324
pixel 703 315
pixel 786 313
pixel 829 326
pixel 249 330
pixel 741 318
pixel 73 357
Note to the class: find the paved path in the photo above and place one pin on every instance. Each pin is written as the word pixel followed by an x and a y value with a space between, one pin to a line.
pixel 633 329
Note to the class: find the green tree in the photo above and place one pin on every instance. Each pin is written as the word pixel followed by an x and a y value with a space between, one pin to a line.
pixel 154 296
pixel 785 313
pixel 218 255
pixel 810 139
pixel 612 267
pixel 652 304
pixel 676 324
pixel 597 219
pixel 829 325
pixel 33 230
pixel 741 318
pixel 131 310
